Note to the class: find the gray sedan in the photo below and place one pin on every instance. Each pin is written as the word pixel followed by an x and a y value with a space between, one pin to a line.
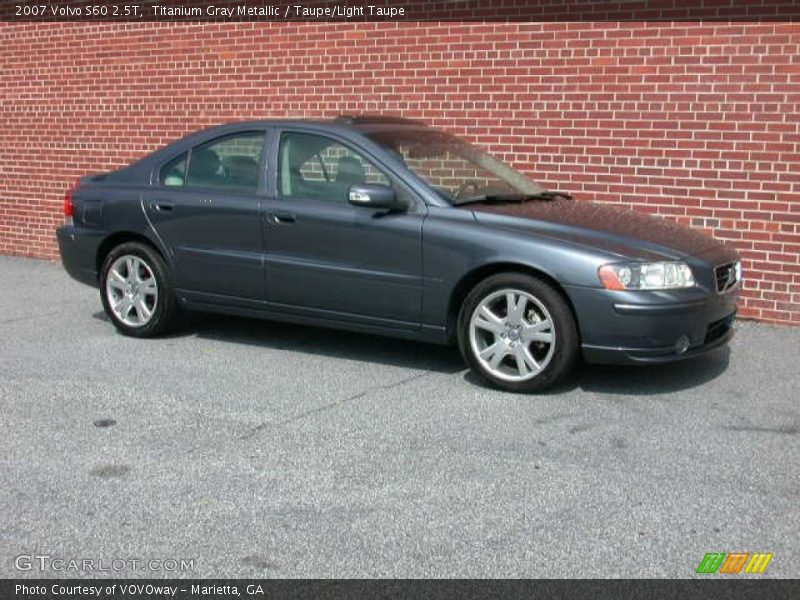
pixel 384 225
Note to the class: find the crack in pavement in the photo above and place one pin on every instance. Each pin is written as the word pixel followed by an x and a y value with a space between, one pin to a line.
pixel 785 429
pixel 332 405
pixel 29 317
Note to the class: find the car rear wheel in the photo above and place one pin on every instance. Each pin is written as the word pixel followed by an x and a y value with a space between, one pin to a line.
pixel 136 291
pixel 517 332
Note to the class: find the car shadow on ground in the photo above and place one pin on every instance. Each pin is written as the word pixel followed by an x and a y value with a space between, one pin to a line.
pixel 604 379
pixel 638 380
pixel 641 380
pixel 316 340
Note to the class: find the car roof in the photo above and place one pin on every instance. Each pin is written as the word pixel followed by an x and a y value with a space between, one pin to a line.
pixel 358 123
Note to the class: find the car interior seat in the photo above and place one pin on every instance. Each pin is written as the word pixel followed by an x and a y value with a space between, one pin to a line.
pixel 204 167
pixel 350 171
pixel 242 171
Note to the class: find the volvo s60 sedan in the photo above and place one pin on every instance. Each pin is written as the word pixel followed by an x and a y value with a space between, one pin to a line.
pixel 384 225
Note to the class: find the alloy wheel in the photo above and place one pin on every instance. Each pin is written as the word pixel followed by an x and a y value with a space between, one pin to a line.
pixel 512 335
pixel 132 290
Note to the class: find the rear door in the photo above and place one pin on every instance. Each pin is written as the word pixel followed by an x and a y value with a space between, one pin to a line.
pixel 206 208
pixel 328 258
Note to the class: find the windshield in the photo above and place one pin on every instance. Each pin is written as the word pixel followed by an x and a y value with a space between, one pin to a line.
pixel 458 171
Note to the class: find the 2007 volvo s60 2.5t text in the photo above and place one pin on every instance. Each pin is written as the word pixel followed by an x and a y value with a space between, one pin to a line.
pixel 384 225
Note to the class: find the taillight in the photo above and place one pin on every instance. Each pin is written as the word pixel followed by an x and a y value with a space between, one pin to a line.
pixel 68 209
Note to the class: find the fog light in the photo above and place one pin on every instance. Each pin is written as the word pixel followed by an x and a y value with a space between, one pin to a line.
pixel 682 345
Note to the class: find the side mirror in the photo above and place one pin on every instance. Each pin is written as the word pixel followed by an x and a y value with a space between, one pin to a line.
pixel 373 195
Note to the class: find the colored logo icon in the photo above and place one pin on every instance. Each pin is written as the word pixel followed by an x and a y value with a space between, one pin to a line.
pixel 734 562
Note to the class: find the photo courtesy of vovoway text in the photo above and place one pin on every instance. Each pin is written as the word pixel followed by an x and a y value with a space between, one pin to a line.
pixel 133 589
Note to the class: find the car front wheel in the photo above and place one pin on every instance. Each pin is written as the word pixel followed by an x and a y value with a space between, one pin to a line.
pixel 136 291
pixel 517 332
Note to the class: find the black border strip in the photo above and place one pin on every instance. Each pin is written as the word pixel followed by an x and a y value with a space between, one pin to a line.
pixel 711 588
pixel 274 11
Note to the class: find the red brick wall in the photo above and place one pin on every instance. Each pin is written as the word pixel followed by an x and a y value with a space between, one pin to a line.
pixel 693 121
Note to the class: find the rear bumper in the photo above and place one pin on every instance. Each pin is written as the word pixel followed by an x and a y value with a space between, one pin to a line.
pixel 78 250
pixel 651 327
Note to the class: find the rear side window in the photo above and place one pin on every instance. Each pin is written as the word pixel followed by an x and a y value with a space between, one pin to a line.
pixel 228 163
pixel 173 174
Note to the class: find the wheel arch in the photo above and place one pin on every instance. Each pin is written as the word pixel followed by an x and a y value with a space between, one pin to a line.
pixel 478 274
pixel 121 237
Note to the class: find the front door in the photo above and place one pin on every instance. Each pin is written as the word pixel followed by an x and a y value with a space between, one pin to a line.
pixel 206 209
pixel 328 258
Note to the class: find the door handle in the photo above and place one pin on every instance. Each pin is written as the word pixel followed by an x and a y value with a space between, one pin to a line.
pixel 163 206
pixel 283 218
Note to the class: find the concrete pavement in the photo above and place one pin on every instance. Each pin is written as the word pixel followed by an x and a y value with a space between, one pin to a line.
pixel 268 450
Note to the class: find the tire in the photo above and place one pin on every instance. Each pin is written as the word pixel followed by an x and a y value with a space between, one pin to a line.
pixel 150 291
pixel 494 343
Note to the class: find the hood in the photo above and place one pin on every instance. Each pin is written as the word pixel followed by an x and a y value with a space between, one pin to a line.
pixel 617 230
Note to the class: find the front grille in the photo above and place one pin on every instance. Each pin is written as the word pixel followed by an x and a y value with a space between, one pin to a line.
pixel 726 276
pixel 718 328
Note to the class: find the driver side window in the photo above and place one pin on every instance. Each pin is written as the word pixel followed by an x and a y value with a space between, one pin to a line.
pixel 320 168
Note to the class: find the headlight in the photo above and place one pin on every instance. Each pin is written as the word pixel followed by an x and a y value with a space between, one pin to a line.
pixel 646 276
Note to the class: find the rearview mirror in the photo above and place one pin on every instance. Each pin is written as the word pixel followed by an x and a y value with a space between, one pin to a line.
pixel 373 195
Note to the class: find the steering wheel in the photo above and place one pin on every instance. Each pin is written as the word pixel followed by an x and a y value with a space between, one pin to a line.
pixel 468 184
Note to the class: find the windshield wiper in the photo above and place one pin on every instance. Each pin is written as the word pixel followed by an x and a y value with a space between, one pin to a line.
pixel 490 198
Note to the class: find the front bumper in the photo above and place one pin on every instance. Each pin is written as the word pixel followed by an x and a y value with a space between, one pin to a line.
pixel 78 248
pixel 635 327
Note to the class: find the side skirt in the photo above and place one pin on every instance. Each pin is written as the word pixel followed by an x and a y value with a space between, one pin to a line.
pixel 345 322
